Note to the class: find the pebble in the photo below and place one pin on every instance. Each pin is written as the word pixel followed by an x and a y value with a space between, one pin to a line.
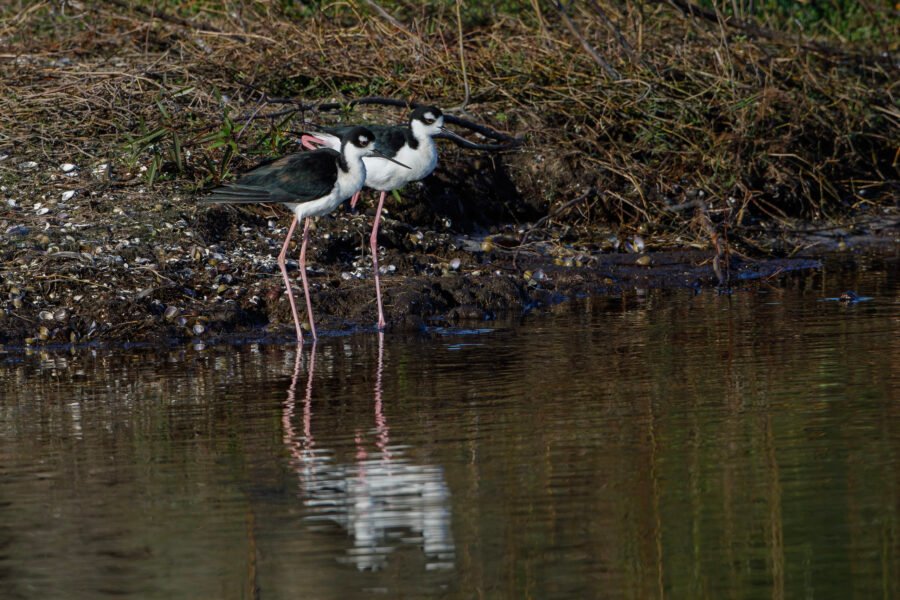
pixel 198 328
pixel 67 167
pixel 455 263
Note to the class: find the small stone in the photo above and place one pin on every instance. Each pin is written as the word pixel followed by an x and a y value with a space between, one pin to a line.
pixel 198 328
pixel 455 263
pixel 67 167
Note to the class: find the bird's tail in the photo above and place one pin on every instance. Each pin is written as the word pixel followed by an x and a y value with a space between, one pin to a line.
pixel 237 194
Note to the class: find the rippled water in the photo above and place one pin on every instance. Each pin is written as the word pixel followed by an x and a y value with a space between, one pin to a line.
pixel 654 445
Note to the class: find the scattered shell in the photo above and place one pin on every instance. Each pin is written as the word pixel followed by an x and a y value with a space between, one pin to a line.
pixel 17 303
pixel 44 333
pixel 455 263
pixel 66 196
pixel 100 169
pixel 487 245
pixel 60 314
pixel 637 244
pixel 643 261
pixel 45 315
pixel 16 230
pixel 198 328
pixel 171 313
pixel 25 166
pixel 67 167
pixel 43 211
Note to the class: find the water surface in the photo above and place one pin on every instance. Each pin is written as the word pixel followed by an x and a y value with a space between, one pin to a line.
pixel 660 444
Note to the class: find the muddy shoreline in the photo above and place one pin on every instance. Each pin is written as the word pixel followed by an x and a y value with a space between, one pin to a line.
pixel 175 272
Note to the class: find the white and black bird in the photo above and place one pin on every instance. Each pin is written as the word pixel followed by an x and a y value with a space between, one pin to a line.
pixel 311 184
pixel 412 144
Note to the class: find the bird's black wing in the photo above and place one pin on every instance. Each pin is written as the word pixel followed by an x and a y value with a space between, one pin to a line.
pixel 297 178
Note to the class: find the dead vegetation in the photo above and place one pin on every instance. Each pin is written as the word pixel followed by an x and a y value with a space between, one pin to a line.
pixel 683 125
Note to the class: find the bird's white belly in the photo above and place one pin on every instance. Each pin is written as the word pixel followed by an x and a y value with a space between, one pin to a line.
pixel 347 184
pixel 383 175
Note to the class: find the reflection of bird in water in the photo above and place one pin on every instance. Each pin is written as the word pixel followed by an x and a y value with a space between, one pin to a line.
pixel 380 499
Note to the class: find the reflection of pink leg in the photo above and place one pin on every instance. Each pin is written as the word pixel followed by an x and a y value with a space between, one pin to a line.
pixel 383 434
pixel 373 243
pixel 309 312
pixel 311 142
pixel 287 413
pixel 287 281
pixel 307 402
pixel 298 447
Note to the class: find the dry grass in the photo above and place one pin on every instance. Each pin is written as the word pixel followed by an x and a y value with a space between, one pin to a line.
pixel 635 115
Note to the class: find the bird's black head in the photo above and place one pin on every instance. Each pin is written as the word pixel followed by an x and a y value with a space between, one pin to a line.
pixel 426 114
pixel 361 137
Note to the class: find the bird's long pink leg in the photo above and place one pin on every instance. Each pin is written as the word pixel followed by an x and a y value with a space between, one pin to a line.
pixel 354 199
pixel 373 243
pixel 287 281
pixel 309 312
pixel 311 142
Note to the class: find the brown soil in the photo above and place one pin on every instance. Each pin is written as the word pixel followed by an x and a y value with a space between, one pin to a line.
pixel 165 274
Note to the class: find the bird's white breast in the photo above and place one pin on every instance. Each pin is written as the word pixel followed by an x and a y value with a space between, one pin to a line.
pixel 348 183
pixel 383 175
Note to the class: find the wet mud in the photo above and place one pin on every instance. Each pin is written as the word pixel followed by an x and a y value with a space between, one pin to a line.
pixel 173 271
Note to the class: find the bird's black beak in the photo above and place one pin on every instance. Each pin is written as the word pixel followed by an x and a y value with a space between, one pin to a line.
pixel 450 134
pixel 381 154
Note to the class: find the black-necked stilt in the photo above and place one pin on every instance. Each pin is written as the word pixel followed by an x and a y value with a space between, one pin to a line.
pixel 311 184
pixel 412 144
